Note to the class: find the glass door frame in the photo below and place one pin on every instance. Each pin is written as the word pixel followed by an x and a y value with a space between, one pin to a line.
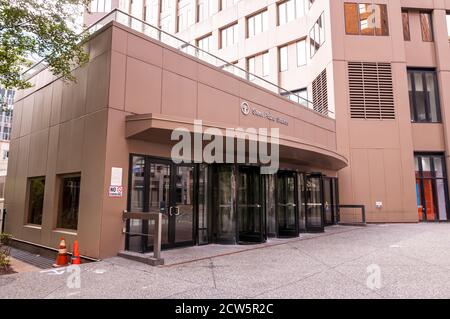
pixel 334 197
pixel 146 201
pixel 320 228
pixel 433 178
pixel 296 232
pixel 263 234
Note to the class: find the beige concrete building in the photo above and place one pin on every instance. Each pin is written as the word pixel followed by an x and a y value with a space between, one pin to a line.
pixel 362 120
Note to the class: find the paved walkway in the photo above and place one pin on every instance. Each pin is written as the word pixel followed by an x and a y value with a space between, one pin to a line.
pixel 378 261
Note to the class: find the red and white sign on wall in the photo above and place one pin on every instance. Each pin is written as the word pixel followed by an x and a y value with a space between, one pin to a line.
pixel 116 188
pixel 115 191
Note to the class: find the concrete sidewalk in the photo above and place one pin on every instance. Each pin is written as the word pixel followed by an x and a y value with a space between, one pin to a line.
pixel 413 261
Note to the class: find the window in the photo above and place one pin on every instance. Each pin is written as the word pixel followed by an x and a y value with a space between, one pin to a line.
pixel 100 5
pixel 431 187
pixel 36 187
pixel 204 8
pixel 251 68
pixel 317 35
pixel 257 23
pixel 301 52
pixel 229 36
pixel 184 16
pixel 5 154
pixel 298 96
pixel 283 58
pixel 258 65
pixel 265 64
pixel 69 199
pixel 426 26
pixel 165 5
pixel 227 3
pixel 205 43
pixel 448 26
pixel 406 30
pixel 366 19
pixel 423 96
pixel 291 10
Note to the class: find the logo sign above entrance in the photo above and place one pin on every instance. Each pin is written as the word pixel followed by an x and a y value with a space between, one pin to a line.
pixel 247 110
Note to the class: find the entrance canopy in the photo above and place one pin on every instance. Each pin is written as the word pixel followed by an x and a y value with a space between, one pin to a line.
pixel 157 128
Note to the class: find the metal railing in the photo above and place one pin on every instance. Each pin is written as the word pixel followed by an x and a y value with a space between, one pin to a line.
pixel 181 45
pixel 352 218
pixel 142 216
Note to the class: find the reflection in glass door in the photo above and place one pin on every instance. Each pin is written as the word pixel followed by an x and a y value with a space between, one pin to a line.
pixel 224 219
pixel 181 211
pixel 314 207
pixel 287 205
pixel 431 187
pixel 330 199
pixel 249 205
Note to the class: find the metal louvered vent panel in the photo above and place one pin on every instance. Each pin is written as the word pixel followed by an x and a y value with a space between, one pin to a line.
pixel 371 90
pixel 320 93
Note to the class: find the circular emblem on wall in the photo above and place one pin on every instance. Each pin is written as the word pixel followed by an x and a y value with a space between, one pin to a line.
pixel 245 108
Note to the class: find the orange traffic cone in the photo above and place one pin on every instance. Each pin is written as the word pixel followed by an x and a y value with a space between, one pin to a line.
pixel 61 259
pixel 76 254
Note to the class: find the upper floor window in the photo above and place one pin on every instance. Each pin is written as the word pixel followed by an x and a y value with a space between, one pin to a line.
pixel 229 36
pixel 290 10
pixel 423 96
pixel 301 52
pixel 406 29
pixel 204 8
pixel 258 65
pixel 257 23
pixel 184 18
pixel 299 96
pixel 227 3
pixel 426 25
pixel 165 5
pixel 366 19
pixel 283 58
pixel 317 35
pixel 448 26
pixel 100 5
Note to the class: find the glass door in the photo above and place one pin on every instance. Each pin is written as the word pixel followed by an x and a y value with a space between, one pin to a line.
pixel 250 206
pixel 181 210
pixel 329 201
pixel 314 200
pixel 224 217
pixel 431 187
pixel 287 205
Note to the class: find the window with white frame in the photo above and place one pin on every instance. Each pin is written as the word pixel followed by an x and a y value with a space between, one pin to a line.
pixel 185 15
pixel 301 52
pixel 291 10
pixel 100 6
pixel 205 43
pixel 317 35
pixel 283 58
pixel 258 65
pixel 257 23
pixel 229 36
pixel 204 9
pixel 227 3
pixel 265 64
pixel 165 5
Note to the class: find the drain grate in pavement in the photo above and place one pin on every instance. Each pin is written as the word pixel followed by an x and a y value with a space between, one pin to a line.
pixel 32 259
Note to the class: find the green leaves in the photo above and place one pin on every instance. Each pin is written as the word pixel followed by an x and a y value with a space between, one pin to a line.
pixel 43 28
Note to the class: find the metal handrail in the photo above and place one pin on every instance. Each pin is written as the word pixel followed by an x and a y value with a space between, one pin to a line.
pixel 198 53
pixel 157 218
